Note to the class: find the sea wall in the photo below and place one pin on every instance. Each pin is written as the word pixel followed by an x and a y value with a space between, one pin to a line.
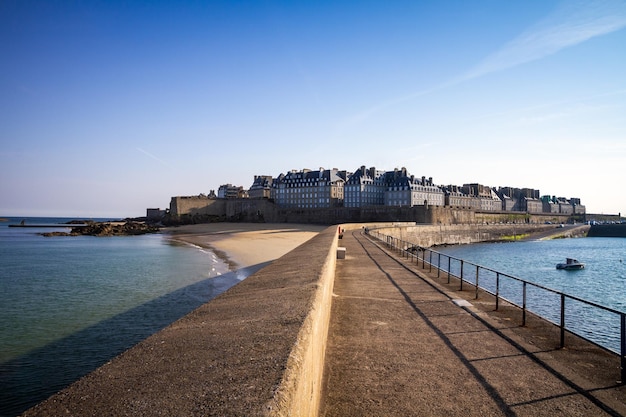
pixel 431 235
pixel 607 230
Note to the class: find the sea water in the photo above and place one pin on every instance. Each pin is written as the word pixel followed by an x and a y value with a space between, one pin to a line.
pixel 602 281
pixel 70 304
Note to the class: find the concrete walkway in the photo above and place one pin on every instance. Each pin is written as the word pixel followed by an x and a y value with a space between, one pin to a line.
pixel 399 346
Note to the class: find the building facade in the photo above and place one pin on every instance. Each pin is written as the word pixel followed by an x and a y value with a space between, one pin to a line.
pixel 370 187
pixel 404 190
pixel 309 189
pixel 365 187
pixel 230 191
pixel 261 187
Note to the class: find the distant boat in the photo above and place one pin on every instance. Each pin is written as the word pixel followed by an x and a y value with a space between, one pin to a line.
pixel 570 264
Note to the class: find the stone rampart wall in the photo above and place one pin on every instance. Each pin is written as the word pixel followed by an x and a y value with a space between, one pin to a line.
pixel 197 206
pixel 263 210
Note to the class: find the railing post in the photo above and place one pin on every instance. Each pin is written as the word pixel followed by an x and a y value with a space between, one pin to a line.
pixel 430 261
pixel 461 289
pixel 449 259
pixel 623 350
pixel 524 303
pixel 423 258
pixel 562 320
pixel 438 264
pixel 497 290
pixel 476 297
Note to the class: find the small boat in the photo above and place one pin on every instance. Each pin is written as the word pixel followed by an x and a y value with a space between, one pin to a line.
pixel 570 264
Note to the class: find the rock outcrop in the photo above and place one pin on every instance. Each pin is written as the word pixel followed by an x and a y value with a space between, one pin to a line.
pixel 91 228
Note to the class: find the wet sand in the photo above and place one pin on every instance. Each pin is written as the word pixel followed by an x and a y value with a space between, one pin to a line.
pixel 243 245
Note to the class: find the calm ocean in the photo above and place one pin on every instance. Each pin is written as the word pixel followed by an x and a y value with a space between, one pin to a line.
pixel 70 304
pixel 603 281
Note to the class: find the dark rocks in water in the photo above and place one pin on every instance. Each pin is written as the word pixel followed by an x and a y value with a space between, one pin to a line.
pixel 91 228
pixel 51 234
pixel 128 228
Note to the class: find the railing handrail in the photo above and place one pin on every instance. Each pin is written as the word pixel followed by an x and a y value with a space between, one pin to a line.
pixel 552 290
pixel 404 247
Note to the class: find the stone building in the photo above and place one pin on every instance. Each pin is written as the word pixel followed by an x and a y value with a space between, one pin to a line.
pixel 484 198
pixel 531 202
pixel 365 187
pixel 455 197
pixel 231 191
pixel 549 204
pixel 261 187
pixel 405 190
pixel 508 202
pixel 309 189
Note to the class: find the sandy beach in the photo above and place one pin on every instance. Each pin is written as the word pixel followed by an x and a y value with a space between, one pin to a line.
pixel 243 245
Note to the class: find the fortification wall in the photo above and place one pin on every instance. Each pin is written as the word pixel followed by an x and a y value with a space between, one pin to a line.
pixel 197 205
pixel 263 210
pixel 251 210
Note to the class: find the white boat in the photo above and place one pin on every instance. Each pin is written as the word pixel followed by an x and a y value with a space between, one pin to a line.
pixel 570 263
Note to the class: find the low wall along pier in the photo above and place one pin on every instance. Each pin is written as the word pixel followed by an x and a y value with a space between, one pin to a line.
pixel 257 349
pixel 431 235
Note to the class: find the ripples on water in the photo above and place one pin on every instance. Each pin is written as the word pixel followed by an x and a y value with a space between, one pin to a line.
pixel 603 281
pixel 70 304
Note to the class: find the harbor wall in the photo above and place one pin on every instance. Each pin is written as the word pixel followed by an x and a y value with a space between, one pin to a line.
pixel 607 230
pixel 432 235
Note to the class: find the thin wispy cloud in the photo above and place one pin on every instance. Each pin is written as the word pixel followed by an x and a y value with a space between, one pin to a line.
pixel 550 105
pixel 153 157
pixel 571 24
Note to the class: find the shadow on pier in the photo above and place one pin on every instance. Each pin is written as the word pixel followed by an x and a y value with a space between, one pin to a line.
pixel 31 378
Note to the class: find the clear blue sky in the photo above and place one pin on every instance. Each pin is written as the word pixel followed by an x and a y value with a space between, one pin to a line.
pixel 107 108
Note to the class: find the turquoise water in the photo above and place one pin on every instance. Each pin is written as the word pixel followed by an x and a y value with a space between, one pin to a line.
pixel 603 281
pixel 70 304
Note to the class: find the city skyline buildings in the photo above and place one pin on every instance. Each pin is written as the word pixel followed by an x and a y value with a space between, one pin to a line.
pixel 366 187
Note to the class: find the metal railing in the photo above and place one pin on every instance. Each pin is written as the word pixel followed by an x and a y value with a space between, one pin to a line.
pixel 496 283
